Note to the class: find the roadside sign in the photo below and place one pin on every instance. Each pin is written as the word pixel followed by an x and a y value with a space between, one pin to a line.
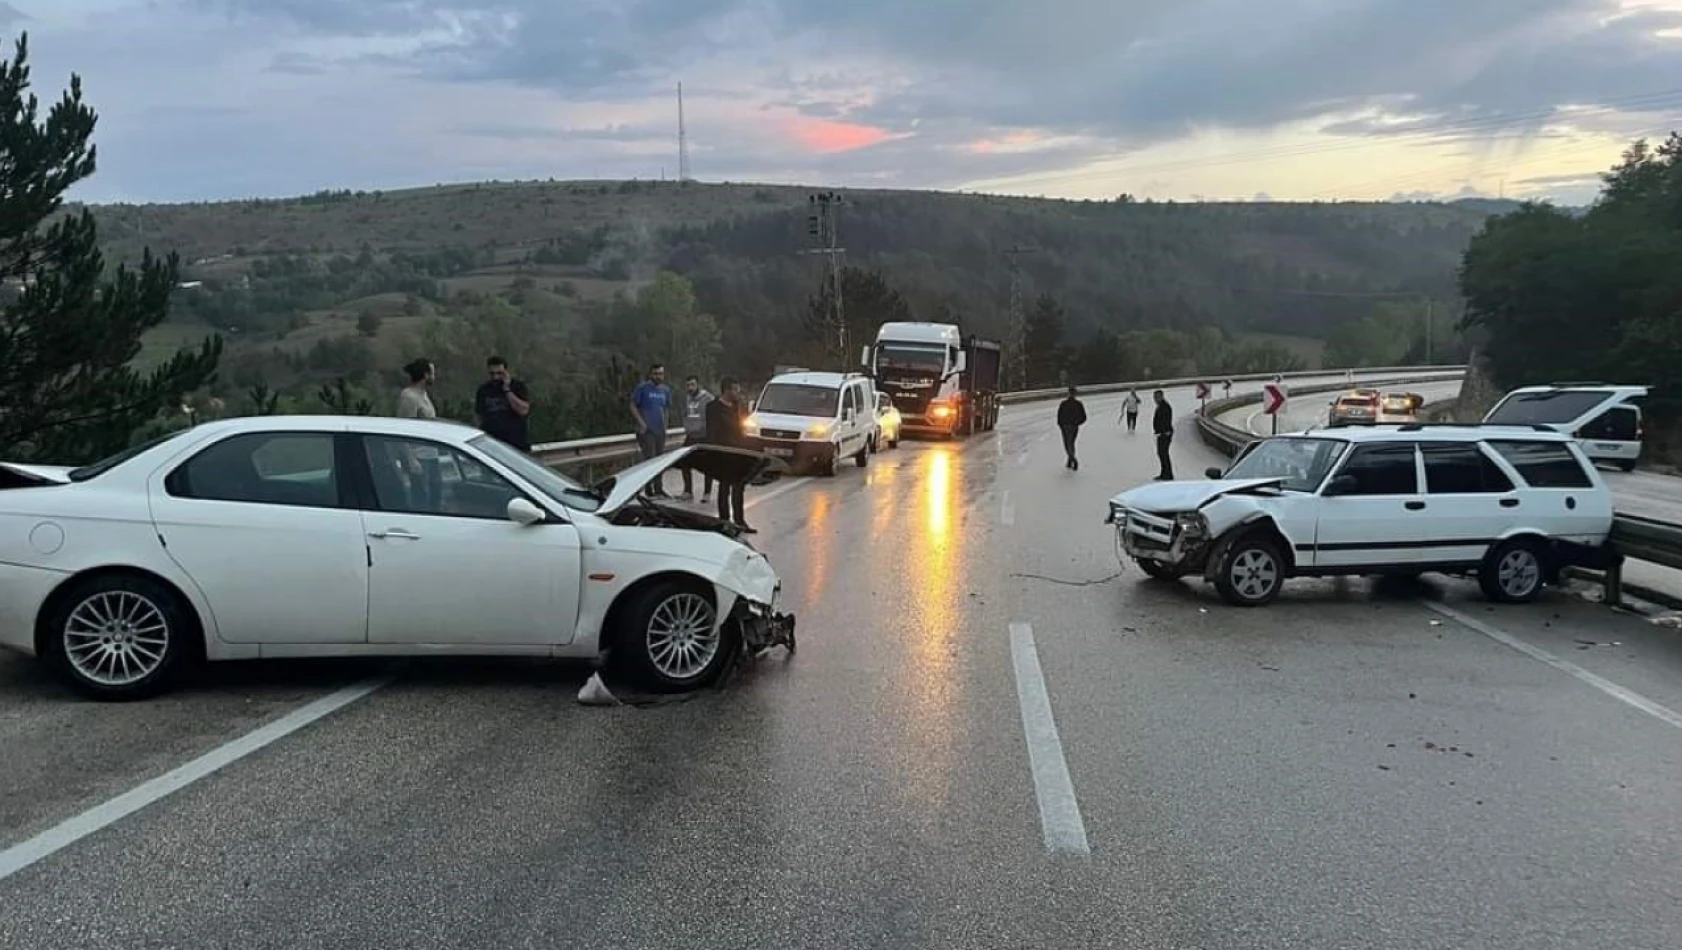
pixel 1273 400
pixel 1203 390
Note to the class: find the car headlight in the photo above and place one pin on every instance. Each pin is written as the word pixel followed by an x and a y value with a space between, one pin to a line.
pixel 940 410
pixel 817 430
pixel 1192 524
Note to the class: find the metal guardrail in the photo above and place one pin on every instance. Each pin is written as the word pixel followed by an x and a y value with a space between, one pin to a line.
pixel 1633 537
pixel 609 449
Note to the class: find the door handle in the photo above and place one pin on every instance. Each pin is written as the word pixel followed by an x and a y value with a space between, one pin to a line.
pixel 1509 502
pixel 1413 505
pixel 399 533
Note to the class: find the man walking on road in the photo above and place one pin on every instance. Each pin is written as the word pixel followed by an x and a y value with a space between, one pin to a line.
pixel 1130 410
pixel 649 402
pixel 1162 423
pixel 1071 415
pixel 695 431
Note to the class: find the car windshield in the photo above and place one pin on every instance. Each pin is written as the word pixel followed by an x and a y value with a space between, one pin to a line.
pixel 545 479
pixel 1301 462
pixel 110 462
pixel 930 359
pixel 790 399
pixel 1552 407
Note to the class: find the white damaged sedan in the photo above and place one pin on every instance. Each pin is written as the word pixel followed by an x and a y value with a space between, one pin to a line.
pixel 336 536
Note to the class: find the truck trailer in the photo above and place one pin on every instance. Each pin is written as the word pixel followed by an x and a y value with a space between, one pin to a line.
pixel 943 383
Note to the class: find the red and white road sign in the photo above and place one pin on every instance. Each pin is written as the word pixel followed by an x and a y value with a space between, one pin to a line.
pixel 1273 398
pixel 1203 390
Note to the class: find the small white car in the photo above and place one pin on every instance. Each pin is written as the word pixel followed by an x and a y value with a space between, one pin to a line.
pixel 1509 505
pixel 335 536
pixel 890 425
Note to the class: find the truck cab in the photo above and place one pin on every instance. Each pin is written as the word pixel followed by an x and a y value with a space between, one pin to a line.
pixel 941 383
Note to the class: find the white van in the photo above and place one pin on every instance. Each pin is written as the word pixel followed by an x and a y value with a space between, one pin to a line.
pixel 1604 418
pixel 814 420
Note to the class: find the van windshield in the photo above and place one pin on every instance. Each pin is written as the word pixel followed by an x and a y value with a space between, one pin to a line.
pixel 790 399
pixel 1551 407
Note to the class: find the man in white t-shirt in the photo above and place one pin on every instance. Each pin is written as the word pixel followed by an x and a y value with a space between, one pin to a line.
pixel 414 401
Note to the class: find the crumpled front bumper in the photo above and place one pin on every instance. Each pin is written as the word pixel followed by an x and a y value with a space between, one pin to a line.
pixel 762 625
pixel 1155 538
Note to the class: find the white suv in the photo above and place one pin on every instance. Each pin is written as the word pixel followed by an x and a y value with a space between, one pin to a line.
pixel 1511 505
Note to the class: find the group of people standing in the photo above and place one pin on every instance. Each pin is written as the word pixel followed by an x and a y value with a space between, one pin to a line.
pixel 708 419
pixel 1071 415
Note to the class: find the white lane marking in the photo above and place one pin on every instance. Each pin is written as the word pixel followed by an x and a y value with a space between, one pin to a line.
pixel 1059 812
pixel 1007 511
pixel 999 443
pixel 755 498
pixel 1022 459
pixel 1619 693
pixel 58 837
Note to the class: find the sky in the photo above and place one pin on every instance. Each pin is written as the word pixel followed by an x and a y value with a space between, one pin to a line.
pixel 1164 99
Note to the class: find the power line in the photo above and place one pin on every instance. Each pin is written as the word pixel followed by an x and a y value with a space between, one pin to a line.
pixel 823 223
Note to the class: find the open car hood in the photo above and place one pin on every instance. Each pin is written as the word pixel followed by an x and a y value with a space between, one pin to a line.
pixel 725 464
pixel 1174 497
pixel 20 475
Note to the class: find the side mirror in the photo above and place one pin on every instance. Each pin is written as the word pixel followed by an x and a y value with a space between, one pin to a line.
pixel 524 513
pixel 864 356
pixel 1341 485
pixel 961 364
pixel 1213 474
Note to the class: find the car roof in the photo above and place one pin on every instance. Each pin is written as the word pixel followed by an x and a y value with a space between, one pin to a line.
pixel 446 429
pixel 1611 389
pixel 809 378
pixel 1435 432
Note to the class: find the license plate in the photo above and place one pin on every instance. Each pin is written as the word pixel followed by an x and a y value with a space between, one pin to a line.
pixel 780 453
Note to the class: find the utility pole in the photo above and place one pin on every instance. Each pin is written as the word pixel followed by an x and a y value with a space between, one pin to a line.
pixel 823 225
pixel 1018 317
pixel 682 142
pixel 1430 318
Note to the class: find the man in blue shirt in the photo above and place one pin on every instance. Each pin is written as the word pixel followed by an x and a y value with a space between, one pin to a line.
pixel 649 404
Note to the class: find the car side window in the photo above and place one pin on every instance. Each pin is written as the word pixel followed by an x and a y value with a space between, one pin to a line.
pixel 262 468
pixel 1543 464
pixel 421 477
pixel 1385 468
pixel 1461 468
pixel 1618 424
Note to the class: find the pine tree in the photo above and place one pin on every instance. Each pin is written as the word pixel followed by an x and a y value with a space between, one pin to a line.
pixel 69 331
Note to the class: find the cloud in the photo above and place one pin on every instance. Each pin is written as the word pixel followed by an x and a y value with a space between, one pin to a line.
pixel 1053 95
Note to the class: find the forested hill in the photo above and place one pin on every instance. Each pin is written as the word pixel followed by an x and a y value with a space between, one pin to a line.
pixel 1285 268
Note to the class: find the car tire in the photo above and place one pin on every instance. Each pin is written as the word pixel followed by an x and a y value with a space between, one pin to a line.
pixel 1249 570
pixel 1627 466
pixel 863 458
pixel 830 463
pixel 1158 570
pixel 669 637
pixel 1514 571
pixel 118 638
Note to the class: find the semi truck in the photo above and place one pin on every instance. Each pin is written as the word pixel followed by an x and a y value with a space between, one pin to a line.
pixel 943 383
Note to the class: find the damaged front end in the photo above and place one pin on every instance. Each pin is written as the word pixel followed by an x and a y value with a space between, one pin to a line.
pixel 754 614
pixel 1178 542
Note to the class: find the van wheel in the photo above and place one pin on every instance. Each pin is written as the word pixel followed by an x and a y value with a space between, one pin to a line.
pixel 1249 570
pixel 1627 466
pixel 1515 571
pixel 830 464
pixel 863 458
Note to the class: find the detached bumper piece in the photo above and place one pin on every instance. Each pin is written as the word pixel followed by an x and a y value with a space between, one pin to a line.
pixel 763 628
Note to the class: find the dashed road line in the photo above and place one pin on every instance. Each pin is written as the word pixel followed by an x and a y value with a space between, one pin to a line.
pixel 1630 697
pixel 1059 811
pixel 1007 511
pixel 105 814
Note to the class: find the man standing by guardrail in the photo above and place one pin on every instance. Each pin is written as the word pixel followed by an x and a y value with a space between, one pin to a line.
pixel 695 431
pixel 649 404
pixel 1162 423
pixel 502 405
pixel 724 427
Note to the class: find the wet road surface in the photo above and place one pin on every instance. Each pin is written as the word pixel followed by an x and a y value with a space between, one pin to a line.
pixel 987 739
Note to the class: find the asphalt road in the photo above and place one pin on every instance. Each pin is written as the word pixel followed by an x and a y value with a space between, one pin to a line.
pixel 1643 494
pixel 1350 767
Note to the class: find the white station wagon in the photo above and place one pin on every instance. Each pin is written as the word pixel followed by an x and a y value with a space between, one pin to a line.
pixel 1511 505
pixel 335 536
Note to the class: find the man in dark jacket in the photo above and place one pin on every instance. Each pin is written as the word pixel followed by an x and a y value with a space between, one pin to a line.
pixel 1071 415
pixel 724 416
pixel 1162 423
